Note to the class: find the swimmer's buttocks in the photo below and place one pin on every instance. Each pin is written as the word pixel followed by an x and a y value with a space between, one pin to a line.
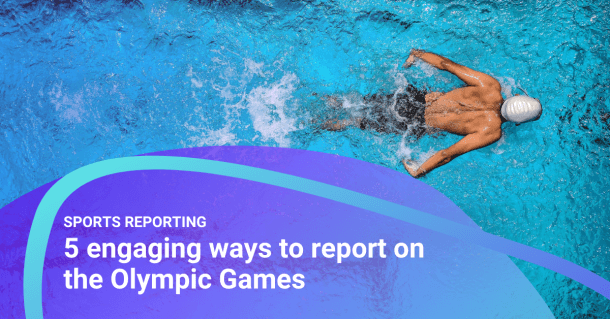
pixel 396 113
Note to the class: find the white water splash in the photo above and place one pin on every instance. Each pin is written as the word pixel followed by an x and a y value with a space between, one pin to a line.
pixel 507 84
pixel 223 136
pixel 497 148
pixel 267 106
pixel 400 81
pixel 404 151
pixel 413 153
pixel 254 68
pixel 352 101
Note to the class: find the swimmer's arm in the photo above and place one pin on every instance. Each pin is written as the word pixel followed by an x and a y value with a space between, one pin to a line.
pixel 468 143
pixel 468 75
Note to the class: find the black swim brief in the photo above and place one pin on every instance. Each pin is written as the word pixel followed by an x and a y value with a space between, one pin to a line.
pixel 396 113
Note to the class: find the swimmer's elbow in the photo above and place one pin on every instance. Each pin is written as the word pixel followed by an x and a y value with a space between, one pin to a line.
pixel 493 136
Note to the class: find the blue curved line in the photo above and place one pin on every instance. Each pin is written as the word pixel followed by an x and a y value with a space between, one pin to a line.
pixel 54 198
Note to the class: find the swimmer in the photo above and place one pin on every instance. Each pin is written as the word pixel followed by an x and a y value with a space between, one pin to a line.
pixel 476 112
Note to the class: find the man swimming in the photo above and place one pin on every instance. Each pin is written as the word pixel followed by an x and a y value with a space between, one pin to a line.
pixel 476 111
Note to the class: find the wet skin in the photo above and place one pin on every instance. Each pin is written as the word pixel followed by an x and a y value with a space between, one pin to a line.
pixel 472 111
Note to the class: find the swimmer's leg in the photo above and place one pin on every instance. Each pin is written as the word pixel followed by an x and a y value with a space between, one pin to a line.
pixel 331 100
pixel 338 125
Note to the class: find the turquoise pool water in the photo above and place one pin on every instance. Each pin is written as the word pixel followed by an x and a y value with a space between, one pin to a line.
pixel 84 81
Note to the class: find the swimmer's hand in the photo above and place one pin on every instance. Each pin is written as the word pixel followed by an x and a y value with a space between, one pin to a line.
pixel 411 59
pixel 409 62
pixel 411 167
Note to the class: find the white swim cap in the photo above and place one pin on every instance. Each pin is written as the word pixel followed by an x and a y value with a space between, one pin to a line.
pixel 521 108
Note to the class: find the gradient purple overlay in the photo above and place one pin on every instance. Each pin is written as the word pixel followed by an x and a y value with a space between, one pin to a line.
pixel 454 279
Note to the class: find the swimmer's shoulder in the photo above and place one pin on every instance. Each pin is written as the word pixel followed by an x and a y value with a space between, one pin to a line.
pixel 493 93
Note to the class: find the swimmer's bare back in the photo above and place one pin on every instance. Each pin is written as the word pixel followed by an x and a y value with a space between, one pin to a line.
pixel 472 111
